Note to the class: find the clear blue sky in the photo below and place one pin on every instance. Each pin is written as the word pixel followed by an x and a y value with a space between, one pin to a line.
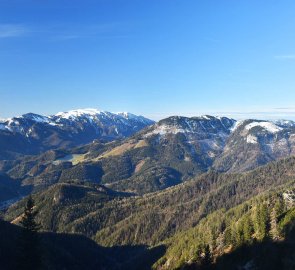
pixel 150 57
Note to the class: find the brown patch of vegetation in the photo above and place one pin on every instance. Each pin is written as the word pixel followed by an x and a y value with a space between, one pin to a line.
pixel 139 166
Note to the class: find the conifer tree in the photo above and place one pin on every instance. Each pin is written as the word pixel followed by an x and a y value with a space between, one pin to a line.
pixel 276 212
pixel 279 207
pixel 261 222
pixel 28 221
pixel 29 242
pixel 247 229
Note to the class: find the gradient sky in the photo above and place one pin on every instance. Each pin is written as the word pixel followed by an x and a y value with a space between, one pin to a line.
pixel 149 57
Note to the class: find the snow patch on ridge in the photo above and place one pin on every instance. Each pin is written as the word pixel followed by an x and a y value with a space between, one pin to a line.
pixel 79 112
pixel 36 118
pixel 236 125
pixel 127 115
pixel 270 127
pixel 205 117
pixel 251 139
pixel 164 129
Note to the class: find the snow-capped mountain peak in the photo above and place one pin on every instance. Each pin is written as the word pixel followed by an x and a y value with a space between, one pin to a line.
pixel 77 113
pixel 207 133
pixel 95 113
pixel 36 132
pixel 202 124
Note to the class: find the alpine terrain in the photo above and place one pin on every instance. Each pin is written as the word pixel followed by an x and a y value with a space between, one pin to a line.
pixel 126 193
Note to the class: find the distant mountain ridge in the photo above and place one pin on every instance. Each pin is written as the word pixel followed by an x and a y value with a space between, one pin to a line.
pixel 32 133
pixel 256 142
pixel 161 155
pixel 206 133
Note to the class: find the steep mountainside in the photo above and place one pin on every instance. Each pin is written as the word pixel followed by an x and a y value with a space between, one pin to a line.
pixel 258 233
pixel 118 219
pixel 253 143
pixel 32 133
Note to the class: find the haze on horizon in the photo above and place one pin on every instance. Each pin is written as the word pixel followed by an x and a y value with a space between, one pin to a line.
pixel 149 57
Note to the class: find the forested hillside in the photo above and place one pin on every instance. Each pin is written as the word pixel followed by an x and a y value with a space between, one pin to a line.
pixel 258 234
pixel 210 211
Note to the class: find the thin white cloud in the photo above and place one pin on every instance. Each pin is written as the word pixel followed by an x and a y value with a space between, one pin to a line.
pixel 290 109
pixel 13 30
pixel 60 32
pixel 285 57
pixel 64 32
pixel 66 37
pixel 213 40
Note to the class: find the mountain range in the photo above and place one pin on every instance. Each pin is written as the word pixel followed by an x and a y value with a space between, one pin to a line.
pixel 161 155
pixel 32 133
pixel 181 187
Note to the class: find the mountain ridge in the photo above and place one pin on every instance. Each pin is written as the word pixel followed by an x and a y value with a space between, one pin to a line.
pixel 162 155
pixel 33 133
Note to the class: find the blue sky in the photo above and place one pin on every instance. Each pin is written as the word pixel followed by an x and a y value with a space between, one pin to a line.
pixel 150 57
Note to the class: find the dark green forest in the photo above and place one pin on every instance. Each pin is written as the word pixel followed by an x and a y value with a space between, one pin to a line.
pixel 213 221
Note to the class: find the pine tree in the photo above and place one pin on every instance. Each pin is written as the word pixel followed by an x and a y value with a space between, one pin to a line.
pixel 276 212
pixel 264 221
pixel 279 207
pixel 28 221
pixel 261 222
pixel 29 242
pixel 247 229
